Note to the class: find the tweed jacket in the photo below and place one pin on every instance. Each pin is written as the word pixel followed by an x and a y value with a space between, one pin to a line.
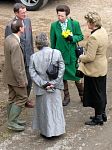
pixel 14 69
pixel 39 63
pixel 26 39
pixel 94 61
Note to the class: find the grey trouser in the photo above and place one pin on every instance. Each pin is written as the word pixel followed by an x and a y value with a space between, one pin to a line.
pixel 29 80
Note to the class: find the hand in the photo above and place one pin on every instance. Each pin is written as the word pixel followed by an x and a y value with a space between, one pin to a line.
pixel 69 38
pixel 50 87
pixel 45 85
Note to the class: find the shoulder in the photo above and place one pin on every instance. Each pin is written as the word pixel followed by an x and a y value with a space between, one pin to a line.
pixel 10 38
pixel 103 30
pixel 9 23
pixel 35 55
pixel 56 51
pixel 27 19
pixel 76 23
pixel 54 23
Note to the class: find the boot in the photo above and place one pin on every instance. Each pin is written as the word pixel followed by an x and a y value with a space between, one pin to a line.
pixel 12 120
pixel 97 121
pixel 80 88
pixel 8 109
pixel 66 100
pixel 20 122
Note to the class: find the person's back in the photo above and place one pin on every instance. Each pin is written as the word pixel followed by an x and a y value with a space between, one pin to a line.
pixel 48 103
pixel 11 46
pixel 15 76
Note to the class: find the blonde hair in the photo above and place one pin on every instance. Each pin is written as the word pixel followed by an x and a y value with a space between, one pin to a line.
pixel 93 18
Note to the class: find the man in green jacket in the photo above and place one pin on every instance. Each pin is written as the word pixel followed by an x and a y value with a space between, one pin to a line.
pixel 64 35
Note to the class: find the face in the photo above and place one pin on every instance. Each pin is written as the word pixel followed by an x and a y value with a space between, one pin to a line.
pixel 90 25
pixel 21 14
pixel 61 16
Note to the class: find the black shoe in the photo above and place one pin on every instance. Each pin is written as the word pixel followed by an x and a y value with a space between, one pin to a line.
pixel 92 117
pixel 98 120
pixel 104 117
pixel 66 102
pixel 93 123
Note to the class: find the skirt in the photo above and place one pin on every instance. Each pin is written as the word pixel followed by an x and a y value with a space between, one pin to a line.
pixel 95 92
pixel 48 114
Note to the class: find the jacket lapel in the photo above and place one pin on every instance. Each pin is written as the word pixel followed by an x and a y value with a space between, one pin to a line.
pixel 69 25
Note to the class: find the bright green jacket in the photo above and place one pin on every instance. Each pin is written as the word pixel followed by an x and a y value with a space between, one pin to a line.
pixel 66 48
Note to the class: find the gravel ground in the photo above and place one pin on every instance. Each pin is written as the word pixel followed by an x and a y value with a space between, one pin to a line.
pixel 78 136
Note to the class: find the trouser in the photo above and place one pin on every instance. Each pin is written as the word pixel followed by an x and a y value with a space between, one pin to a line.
pixel 17 95
pixel 29 86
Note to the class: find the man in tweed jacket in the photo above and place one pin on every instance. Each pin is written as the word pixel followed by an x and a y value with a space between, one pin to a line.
pixel 26 41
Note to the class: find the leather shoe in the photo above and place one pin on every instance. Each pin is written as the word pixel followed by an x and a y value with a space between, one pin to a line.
pixel 104 117
pixel 29 104
pixel 94 122
pixel 98 120
pixel 66 102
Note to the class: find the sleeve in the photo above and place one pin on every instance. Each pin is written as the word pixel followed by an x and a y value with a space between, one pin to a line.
pixel 34 74
pixel 31 36
pixel 61 71
pixel 18 64
pixel 52 37
pixel 8 30
pixel 90 53
pixel 78 36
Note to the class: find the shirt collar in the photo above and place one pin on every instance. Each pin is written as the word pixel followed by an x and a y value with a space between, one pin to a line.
pixel 95 29
pixel 63 22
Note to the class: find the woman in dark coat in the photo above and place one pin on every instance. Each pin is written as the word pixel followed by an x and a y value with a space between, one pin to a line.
pixel 94 66
pixel 67 46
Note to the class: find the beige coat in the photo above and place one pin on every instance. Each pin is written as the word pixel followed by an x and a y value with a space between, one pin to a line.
pixel 14 69
pixel 94 61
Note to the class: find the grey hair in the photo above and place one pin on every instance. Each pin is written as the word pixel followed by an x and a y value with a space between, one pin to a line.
pixel 41 40
pixel 93 18
pixel 17 7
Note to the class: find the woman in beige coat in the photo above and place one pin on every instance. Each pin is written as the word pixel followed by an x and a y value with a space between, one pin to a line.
pixel 93 64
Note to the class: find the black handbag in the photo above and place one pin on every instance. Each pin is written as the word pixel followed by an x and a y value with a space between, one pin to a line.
pixel 79 74
pixel 79 49
pixel 52 70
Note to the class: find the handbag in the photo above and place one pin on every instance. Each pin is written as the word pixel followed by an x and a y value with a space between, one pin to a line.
pixel 52 70
pixel 79 74
pixel 79 49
